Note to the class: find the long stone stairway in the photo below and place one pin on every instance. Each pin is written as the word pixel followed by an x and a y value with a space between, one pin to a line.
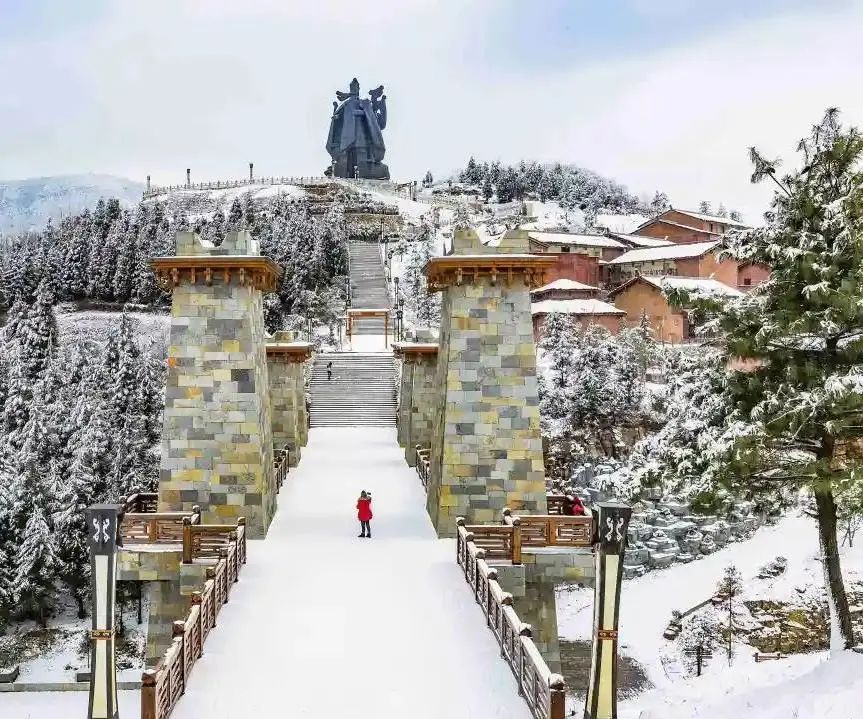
pixel 368 285
pixel 360 393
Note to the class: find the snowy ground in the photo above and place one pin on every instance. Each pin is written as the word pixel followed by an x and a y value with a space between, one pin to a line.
pixel 331 625
pixel 647 603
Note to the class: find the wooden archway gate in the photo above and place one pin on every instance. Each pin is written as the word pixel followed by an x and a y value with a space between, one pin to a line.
pixel 355 314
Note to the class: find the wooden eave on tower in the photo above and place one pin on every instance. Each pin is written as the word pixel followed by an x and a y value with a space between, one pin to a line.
pixel 289 351
pixel 248 270
pixel 442 272
pixel 415 349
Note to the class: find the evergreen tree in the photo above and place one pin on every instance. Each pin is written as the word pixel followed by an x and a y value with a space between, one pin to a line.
pixel 704 207
pixel 487 189
pixel 698 640
pixel 729 588
pixel 507 185
pixel 802 403
pixel 37 334
pixel 658 204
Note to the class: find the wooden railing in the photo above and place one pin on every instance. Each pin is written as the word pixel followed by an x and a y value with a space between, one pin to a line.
pixel 552 530
pixel 162 686
pixel 423 465
pixel 155 527
pixel 544 692
pixel 141 503
pixel 280 466
pixel 202 541
pixel 499 541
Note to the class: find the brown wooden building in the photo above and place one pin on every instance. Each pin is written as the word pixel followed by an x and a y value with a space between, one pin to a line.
pixel 643 295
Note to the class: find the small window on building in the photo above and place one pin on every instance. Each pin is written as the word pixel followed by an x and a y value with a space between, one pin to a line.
pixel 564 249
pixel 747 281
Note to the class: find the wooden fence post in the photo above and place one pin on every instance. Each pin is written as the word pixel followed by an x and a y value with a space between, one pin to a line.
pixel 516 540
pixel 557 697
pixel 148 695
pixel 187 540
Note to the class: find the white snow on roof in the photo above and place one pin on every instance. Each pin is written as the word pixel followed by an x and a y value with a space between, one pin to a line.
pixel 666 252
pixel 710 218
pixel 574 307
pixel 561 238
pixel 639 241
pixel 692 284
pixel 620 223
pixel 564 284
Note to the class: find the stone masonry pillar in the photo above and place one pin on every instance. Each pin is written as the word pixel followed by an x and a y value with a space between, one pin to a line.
pixel 217 446
pixel 405 386
pixel 167 605
pixel 286 371
pixel 419 395
pixel 486 444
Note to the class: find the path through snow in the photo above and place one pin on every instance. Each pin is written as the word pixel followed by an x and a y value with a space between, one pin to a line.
pixel 323 624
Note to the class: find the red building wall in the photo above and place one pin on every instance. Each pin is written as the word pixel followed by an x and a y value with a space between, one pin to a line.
pixel 574 266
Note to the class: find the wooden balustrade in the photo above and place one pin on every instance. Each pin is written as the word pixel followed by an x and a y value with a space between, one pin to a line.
pixel 280 466
pixel 423 464
pixel 155 527
pixel 209 540
pixel 141 503
pixel 557 503
pixel 552 530
pixel 543 691
pixel 499 542
pixel 162 686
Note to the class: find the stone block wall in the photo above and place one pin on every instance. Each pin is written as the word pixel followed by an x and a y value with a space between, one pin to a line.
pixel 403 417
pixel 486 443
pixel 217 446
pixel 424 397
pixel 286 372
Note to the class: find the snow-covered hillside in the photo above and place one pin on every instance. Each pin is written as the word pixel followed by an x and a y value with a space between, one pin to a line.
pixel 29 204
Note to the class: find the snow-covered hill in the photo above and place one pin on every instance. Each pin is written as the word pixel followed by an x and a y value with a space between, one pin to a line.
pixel 28 204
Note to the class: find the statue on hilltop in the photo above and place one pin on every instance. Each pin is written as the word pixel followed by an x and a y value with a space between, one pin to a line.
pixel 355 143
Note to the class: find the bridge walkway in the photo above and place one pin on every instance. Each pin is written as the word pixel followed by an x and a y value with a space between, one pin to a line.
pixel 323 624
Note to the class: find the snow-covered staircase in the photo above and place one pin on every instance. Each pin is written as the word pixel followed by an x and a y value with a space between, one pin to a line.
pixel 362 390
pixel 368 285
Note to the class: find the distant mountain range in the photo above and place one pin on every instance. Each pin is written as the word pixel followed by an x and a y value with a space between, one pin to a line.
pixel 29 204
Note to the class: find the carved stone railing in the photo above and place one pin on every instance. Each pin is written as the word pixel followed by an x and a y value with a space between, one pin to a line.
pixel 544 692
pixel 162 686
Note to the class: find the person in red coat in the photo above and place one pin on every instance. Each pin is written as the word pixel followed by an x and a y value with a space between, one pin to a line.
pixel 364 513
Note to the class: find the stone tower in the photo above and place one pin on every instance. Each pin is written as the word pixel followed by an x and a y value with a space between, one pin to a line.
pixel 286 370
pixel 486 449
pixel 217 446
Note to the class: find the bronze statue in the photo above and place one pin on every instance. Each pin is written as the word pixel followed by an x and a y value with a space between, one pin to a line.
pixel 355 143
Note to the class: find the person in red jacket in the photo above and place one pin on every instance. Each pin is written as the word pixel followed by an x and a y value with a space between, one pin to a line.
pixel 364 513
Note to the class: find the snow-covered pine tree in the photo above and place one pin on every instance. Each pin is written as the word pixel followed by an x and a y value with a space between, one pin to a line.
pixel 658 204
pixel 75 266
pixel 729 589
pixel 698 640
pixel 801 404
pixel 507 185
pixel 705 208
pixel 235 216
pixel 487 189
pixel 127 257
pixel 37 334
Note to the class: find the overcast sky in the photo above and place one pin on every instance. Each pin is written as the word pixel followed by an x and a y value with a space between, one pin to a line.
pixel 661 94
